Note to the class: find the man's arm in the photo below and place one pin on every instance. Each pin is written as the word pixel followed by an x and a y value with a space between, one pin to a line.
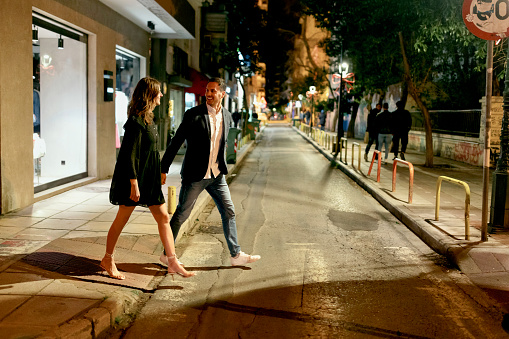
pixel 174 146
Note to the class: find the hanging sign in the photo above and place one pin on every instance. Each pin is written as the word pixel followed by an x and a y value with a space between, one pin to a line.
pixel 487 19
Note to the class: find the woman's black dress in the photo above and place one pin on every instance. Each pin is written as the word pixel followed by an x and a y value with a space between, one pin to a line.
pixel 138 158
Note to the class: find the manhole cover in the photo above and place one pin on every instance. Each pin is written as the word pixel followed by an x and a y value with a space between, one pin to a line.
pixel 351 221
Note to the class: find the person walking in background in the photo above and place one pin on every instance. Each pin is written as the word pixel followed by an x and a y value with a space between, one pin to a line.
pixel 236 118
pixel 372 130
pixel 402 121
pixel 321 119
pixel 383 123
pixel 137 177
pixel 205 129
pixel 307 117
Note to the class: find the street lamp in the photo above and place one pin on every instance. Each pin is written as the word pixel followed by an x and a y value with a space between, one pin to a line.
pixel 342 73
pixel 312 92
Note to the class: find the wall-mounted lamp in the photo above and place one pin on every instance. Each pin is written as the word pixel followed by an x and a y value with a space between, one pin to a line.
pixel 151 25
pixel 60 43
pixel 35 34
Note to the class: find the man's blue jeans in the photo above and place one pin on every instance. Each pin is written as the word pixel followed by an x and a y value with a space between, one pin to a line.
pixel 220 192
pixel 384 139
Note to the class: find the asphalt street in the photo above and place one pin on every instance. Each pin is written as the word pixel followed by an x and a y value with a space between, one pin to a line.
pixel 334 263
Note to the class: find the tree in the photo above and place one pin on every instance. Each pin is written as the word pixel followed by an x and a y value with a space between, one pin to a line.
pixel 420 42
pixel 242 52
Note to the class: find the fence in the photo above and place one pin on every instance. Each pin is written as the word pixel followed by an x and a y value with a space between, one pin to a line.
pixel 465 123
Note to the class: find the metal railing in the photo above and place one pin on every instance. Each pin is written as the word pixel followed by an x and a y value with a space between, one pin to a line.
pixel 411 177
pixel 379 167
pixel 243 141
pixel 467 201
pixel 341 149
pixel 459 122
pixel 359 157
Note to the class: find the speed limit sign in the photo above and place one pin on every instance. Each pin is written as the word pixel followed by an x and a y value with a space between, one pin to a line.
pixel 487 19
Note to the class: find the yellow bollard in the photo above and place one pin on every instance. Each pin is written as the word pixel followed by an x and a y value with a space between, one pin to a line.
pixel 172 199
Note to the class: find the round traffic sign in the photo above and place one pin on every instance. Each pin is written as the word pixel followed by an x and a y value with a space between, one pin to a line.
pixel 487 19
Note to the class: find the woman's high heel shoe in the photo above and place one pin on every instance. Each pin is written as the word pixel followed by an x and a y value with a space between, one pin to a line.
pixel 118 276
pixel 175 268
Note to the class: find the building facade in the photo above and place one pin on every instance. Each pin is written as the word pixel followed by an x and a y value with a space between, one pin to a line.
pixel 86 58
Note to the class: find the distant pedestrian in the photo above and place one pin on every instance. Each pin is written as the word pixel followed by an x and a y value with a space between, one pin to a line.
pixel 254 115
pixel 372 130
pixel 402 122
pixel 205 129
pixel 137 176
pixel 383 123
pixel 236 118
pixel 321 119
pixel 307 116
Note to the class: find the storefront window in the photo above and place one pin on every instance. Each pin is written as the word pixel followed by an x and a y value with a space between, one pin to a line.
pixel 127 76
pixel 60 105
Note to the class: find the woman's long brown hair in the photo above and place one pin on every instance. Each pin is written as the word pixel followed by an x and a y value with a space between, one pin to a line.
pixel 142 102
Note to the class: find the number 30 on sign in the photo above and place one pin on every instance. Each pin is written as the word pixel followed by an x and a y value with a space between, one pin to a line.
pixel 487 19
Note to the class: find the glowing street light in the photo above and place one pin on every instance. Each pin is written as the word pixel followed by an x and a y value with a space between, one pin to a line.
pixel 312 92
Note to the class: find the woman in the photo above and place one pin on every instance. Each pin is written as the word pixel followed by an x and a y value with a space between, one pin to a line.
pixel 137 177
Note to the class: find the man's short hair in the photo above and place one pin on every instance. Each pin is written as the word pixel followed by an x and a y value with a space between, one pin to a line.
pixel 386 105
pixel 220 82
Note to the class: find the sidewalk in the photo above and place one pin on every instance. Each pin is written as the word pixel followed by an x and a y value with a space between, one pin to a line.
pixel 485 263
pixel 51 285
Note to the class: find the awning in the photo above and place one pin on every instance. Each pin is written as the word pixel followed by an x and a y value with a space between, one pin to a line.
pixel 199 81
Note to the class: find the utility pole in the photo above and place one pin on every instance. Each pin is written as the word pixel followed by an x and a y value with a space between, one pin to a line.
pixel 487 142
pixel 499 217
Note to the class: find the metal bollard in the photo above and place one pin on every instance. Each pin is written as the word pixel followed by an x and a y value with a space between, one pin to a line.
pixel 411 177
pixel 379 167
pixel 353 147
pixel 467 201
pixel 172 199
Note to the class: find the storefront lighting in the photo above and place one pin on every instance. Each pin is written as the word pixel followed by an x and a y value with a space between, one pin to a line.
pixel 60 43
pixel 35 34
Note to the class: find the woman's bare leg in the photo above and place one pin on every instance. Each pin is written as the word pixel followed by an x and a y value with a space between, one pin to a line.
pixel 108 263
pixel 163 223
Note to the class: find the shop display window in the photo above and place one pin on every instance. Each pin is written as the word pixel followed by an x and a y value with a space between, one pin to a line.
pixel 128 74
pixel 59 104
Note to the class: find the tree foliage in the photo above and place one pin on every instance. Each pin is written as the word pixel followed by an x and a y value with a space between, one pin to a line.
pixel 441 51
pixel 247 26
pixel 422 43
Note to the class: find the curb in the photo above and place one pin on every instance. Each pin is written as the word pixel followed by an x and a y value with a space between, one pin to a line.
pixel 433 237
pixel 452 250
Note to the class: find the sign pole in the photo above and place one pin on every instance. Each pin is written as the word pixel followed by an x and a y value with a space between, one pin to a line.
pixel 487 142
pixel 487 20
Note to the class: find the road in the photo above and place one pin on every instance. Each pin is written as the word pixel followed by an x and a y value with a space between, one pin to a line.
pixel 335 264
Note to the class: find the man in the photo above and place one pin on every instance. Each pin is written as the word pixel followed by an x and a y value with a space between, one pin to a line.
pixel 236 118
pixel 383 123
pixel 371 129
pixel 321 118
pixel 402 121
pixel 205 129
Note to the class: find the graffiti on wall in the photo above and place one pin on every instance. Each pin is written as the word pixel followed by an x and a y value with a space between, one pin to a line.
pixel 469 153
pixel 417 142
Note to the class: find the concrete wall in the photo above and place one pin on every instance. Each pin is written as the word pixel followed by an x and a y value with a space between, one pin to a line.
pixel 16 121
pixel 467 150
pixel 106 29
